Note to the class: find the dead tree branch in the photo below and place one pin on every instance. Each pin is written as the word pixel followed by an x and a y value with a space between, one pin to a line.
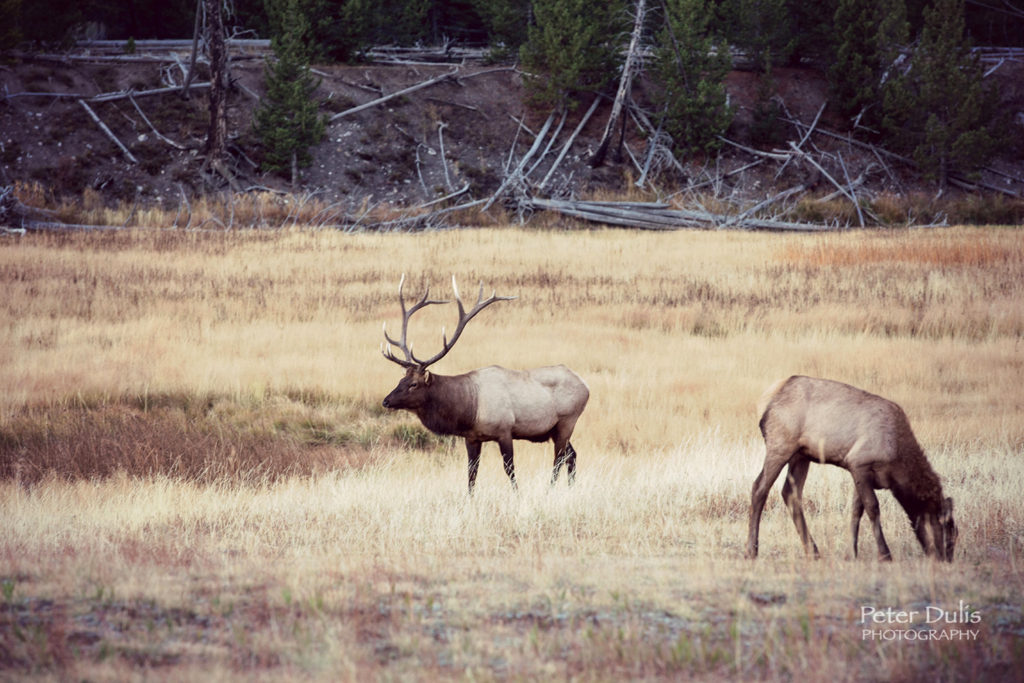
pixel 109 133
pixel 149 123
pixel 517 172
pixel 568 143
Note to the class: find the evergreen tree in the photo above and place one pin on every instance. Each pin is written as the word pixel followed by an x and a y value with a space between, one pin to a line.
pixel 399 22
pixel 10 24
pixel 941 111
pixel 691 67
pixel 869 35
pixel 811 27
pixel 287 121
pixel 573 43
pixel 457 20
pixel 506 21
pixel 51 22
pixel 336 29
pixel 761 28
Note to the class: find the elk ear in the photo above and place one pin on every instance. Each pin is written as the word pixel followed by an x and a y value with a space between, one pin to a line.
pixel 426 379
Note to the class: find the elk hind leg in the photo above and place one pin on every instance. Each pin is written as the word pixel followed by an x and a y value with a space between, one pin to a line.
pixel 570 463
pixel 792 494
pixel 565 454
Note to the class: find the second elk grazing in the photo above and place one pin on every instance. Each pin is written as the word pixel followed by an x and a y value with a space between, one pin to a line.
pixel 488 404
pixel 807 420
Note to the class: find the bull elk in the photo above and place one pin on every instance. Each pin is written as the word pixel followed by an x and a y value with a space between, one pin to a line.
pixel 805 420
pixel 491 403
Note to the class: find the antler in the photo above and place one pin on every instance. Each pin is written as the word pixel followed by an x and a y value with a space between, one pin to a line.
pixel 464 318
pixel 410 361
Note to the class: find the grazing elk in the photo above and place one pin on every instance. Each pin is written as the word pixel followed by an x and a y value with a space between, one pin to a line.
pixel 489 404
pixel 805 420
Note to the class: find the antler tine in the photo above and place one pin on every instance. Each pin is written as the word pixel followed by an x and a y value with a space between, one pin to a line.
pixel 387 353
pixel 464 318
pixel 402 344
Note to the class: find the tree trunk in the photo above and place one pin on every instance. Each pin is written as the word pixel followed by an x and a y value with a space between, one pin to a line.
pixel 625 82
pixel 195 49
pixel 216 137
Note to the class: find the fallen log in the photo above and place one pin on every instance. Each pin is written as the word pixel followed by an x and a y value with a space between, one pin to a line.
pixel 405 91
pixel 656 216
pixel 109 133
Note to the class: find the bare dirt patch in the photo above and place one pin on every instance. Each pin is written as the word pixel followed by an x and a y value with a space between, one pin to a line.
pixel 462 132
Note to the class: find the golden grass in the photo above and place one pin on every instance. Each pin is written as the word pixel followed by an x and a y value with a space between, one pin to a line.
pixel 243 508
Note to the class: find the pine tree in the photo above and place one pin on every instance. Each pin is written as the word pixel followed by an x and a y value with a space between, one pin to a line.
pixel 10 24
pixel 337 29
pixel 691 69
pixel 941 111
pixel 52 22
pixel 401 22
pixel 811 26
pixel 761 28
pixel 288 122
pixel 573 43
pixel 869 35
pixel 506 21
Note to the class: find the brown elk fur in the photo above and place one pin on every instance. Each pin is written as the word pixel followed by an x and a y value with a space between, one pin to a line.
pixel 489 404
pixel 805 420
pixel 497 404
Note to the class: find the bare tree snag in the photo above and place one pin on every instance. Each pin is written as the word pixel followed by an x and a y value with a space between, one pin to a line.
pixel 444 162
pixel 190 74
pixel 217 134
pixel 625 83
pixel 568 143
pixel 551 141
pixel 517 172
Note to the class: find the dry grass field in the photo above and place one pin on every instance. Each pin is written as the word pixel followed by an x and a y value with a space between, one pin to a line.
pixel 197 478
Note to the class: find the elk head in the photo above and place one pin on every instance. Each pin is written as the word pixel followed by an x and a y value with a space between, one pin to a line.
pixel 942 531
pixel 412 392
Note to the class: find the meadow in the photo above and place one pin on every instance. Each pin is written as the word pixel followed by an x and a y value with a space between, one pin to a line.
pixel 197 478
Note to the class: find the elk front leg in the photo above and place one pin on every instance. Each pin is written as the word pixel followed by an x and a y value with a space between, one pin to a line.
pixel 758 496
pixel 856 513
pixel 506 457
pixel 869 501
pixel 792 494
pixel 473 451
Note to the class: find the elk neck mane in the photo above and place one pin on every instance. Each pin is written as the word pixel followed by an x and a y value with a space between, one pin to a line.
pixel 454 405
pixel 917 488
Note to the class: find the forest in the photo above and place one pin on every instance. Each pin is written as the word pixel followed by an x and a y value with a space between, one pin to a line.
pixel 989 22
pixel 929 89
